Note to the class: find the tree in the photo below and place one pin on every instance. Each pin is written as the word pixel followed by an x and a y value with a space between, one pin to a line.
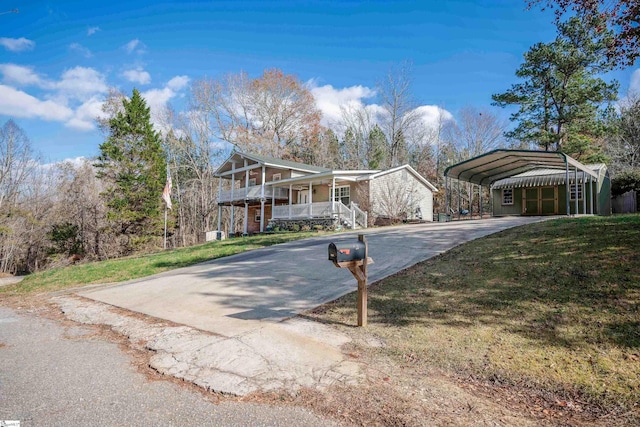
pixel 623 145
pixel 623 16
pixel 274 114
pixel 401 119
pixel 560 98
pixel 132 163
pixel 475 132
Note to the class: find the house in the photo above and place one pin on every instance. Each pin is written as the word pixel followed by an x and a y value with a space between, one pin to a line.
pixel 531 182
pixel 289 195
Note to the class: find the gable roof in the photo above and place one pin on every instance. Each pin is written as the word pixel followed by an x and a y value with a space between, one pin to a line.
pixel 409 169
pixel 267 161
pixel 498 164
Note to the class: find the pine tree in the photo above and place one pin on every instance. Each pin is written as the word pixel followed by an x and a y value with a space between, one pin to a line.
pixel 132 163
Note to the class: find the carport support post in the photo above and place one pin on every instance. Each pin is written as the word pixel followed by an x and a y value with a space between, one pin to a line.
pixel 575 178
pixel 584 194
pixel 446 199
pixel 480 201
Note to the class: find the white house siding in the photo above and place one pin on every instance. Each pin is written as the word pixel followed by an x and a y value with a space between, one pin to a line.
pixel 401 180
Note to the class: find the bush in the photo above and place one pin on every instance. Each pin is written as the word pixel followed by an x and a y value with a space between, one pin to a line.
pixel 627 181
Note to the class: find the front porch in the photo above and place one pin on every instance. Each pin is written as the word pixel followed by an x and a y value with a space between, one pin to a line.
pixel 347 216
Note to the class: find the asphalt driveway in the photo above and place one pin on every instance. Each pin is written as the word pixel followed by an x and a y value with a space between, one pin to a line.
pixel 228 295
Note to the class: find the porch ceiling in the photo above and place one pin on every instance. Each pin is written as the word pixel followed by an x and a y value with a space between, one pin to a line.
pixel 322 178
pixel 498 164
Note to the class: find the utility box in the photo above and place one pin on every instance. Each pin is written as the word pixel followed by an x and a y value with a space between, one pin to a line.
pixel 354 250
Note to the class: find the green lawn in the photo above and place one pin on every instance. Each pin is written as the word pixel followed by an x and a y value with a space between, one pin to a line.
pixel 118 270
pixel 553 307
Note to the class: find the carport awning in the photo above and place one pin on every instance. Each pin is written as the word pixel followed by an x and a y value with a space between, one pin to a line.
pixel 549 177
pixel 498 164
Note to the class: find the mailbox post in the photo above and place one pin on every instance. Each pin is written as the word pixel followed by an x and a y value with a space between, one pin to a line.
pixel 355 257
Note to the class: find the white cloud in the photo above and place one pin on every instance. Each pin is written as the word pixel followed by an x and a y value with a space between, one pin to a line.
pixel 134 46
pixel 157 99
pixel 81 83
pixel 329 100
pixel 17 45
pixel 16 103
pixel 91 31
pixel 86 114
pixel 432 114
pixel 137 76
pixel 634 85
pixel 81 49
pixel 178 83
pixel 19 75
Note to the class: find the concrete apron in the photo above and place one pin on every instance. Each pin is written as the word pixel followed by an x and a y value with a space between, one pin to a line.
pixel 247 304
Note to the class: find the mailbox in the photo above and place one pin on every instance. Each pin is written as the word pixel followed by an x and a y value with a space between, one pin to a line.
pixel 353 250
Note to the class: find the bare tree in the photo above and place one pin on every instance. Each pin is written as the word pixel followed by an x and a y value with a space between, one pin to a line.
pixel 475 132
pixel 274 114
pixel 623 143
pixel 401 120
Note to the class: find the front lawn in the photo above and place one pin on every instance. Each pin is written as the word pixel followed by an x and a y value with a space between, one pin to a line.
pixel 552 308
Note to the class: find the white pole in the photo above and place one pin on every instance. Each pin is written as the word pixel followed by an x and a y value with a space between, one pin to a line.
pixel 165 227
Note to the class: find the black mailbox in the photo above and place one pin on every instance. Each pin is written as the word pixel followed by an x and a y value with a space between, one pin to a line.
pixel 353 250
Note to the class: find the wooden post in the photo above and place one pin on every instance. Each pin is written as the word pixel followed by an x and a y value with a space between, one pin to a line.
pixel 359 270
pixel 360 273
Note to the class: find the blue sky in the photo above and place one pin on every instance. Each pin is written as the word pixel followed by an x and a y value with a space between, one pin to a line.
pixel 57 59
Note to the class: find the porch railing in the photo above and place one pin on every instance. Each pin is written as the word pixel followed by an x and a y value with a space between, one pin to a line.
pixel 254 192
pixel 359 216
pixel 343 213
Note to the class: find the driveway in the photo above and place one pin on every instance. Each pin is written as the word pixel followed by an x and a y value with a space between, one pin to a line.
pixel 233 295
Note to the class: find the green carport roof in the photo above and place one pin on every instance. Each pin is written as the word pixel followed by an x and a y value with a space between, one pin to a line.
pixel 498 164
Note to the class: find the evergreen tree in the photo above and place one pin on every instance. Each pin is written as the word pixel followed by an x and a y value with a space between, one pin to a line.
pixel 559 101
pixel 376 148
pixel 132 162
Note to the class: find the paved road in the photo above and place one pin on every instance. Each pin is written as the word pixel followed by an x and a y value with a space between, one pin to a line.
pixel 52 375
pixel 224 296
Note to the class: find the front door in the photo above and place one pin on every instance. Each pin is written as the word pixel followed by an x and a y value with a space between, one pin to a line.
pixel 303 197
pixel 530 202
pixel 540 201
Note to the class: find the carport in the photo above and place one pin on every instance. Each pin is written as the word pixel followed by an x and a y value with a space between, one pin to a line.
pixel 497 165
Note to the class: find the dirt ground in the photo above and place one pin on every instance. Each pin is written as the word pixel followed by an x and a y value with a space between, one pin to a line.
pixel 392 394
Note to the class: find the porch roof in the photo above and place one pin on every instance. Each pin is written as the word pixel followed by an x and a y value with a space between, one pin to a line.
pixel 342 175
pixel 499 164
pixel 258 160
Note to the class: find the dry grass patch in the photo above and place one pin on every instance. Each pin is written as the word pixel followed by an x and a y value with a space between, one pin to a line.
pixel 552 307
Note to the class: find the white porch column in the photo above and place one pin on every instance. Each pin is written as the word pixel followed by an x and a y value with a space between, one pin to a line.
pixel 233 184
pixel 290 197
pixel 245 228
pixel 262 199
pixel 333 195
pixel 219 205
pixel 310 199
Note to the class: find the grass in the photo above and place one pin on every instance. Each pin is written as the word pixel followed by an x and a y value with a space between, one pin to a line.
pixel 553 307
pixel 122 269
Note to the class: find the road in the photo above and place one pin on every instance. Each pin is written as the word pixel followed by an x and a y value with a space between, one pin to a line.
pixel 55 375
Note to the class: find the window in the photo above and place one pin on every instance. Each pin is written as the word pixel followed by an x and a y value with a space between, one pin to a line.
pixel 507 196
pixel 256 217
pixel 276 177
pixel 572 189
pixel 343 195
pixel 252 182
